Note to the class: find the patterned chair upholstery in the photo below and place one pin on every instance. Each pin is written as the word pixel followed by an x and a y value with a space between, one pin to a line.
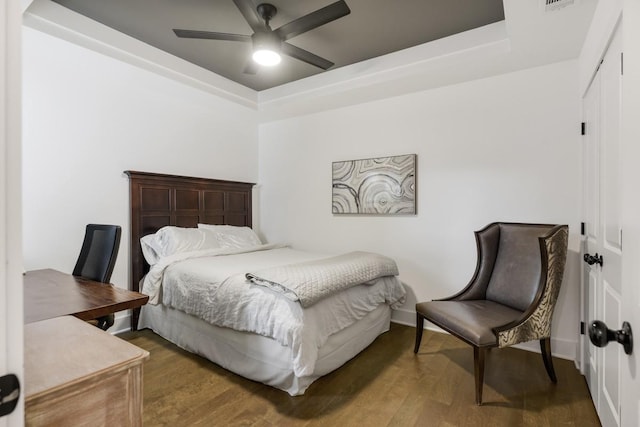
pixel 510 298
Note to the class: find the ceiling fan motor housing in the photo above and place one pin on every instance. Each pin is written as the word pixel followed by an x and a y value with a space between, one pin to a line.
pixel 266 40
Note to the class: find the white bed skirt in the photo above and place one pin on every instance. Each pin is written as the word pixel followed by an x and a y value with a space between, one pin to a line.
pixel 257 357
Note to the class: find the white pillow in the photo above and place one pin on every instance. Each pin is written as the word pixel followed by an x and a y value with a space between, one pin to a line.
pixel 151 249
pixel 233 237
pixel 171 240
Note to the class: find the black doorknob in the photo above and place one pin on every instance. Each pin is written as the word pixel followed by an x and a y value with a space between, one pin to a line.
pixel 600 335
pixel 593 259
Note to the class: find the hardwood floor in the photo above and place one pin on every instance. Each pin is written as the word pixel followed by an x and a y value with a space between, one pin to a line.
pixel 386 385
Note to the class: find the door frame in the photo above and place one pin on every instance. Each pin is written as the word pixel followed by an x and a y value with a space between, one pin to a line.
pixel 11 268
pixel 630 148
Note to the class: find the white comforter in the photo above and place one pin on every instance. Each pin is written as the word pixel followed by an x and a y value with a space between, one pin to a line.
pixel 211 285
pixel 312 281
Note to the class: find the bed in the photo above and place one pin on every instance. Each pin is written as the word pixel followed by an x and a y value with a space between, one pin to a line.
pixel 300 337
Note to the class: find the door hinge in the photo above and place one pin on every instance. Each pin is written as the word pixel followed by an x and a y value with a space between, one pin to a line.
pixel 583 128
pixel 582 228
pixel 621 63
pixel 582 326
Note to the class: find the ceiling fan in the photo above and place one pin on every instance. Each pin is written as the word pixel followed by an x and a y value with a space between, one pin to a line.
pixel 269 43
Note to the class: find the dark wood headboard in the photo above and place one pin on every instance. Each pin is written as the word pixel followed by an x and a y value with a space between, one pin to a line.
pixel 157 200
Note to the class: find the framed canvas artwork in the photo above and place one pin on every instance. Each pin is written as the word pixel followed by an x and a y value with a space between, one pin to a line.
pixel 382 186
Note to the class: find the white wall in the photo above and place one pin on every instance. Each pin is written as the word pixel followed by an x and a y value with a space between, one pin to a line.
pixel 504 148
pixel 87 118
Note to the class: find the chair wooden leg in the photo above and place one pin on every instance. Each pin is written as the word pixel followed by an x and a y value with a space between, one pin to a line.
pixel 478 367
pixel 419 329
pixel 545 349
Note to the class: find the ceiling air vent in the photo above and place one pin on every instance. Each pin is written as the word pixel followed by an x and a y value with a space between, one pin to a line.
pixel 551 5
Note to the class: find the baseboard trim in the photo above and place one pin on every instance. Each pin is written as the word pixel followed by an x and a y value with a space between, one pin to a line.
pixel 404 317
pixel 121 324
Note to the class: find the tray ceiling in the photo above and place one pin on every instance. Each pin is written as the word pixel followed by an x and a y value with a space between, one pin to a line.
pixel 373 28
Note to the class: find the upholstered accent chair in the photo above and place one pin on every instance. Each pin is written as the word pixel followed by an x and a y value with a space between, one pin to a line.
pixel 512 294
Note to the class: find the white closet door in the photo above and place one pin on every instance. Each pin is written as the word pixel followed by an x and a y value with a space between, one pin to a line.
pixel 611 276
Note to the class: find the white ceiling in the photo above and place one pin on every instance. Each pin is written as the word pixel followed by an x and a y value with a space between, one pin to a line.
pixel 528 37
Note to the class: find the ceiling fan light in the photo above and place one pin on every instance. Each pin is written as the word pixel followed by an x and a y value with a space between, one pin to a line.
pixel 267 57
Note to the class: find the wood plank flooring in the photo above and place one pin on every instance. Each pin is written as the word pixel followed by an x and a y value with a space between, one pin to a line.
pixel 386 385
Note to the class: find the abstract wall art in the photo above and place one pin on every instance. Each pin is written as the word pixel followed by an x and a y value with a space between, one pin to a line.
pixel 383 186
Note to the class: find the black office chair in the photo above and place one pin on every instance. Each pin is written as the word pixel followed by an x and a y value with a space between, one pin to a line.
pixel 97 258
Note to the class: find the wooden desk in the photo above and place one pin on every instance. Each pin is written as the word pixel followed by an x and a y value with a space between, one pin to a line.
pixel 49 293
pixel 77 375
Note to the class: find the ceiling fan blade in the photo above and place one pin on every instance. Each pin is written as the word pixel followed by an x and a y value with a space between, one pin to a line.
pixel 248 10
pixel 251 67
pixel 306 56
pixel 195 34
pixel 313 20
